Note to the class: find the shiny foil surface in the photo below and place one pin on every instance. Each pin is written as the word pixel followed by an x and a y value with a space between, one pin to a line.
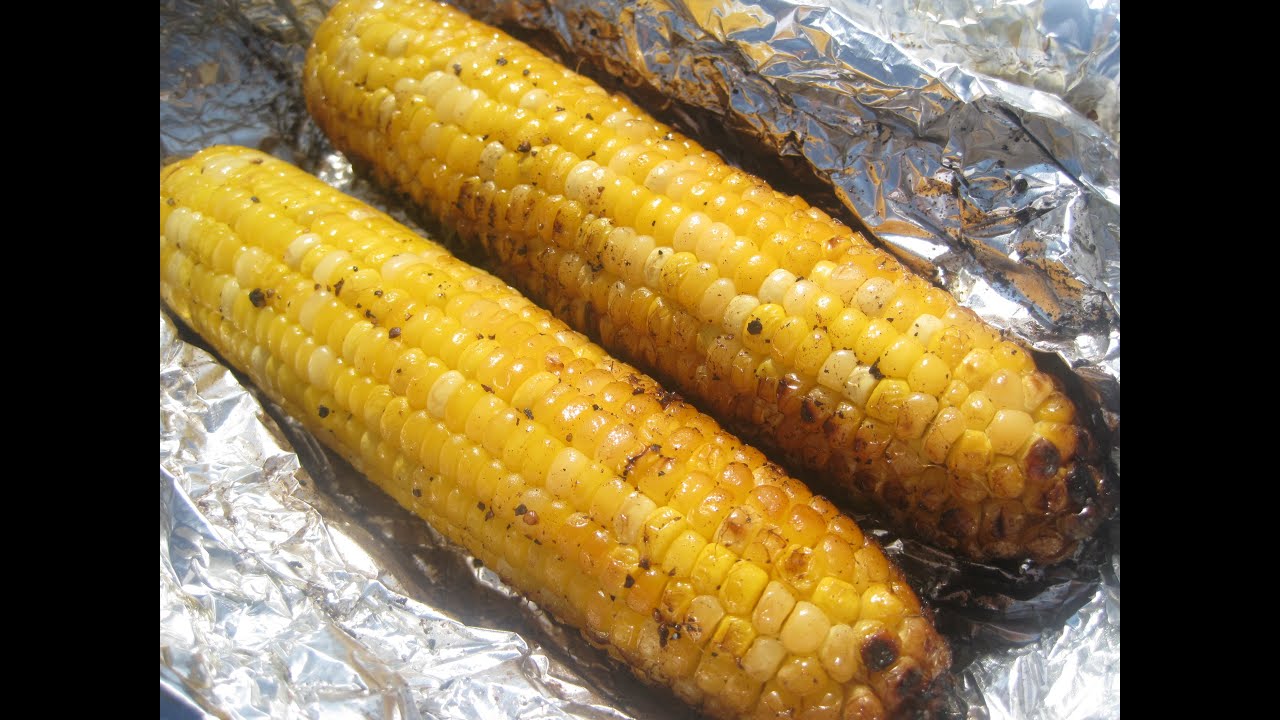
pixel 978 140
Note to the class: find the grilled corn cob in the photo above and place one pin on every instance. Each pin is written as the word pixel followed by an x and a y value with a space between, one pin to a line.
pixel 789 327
pixel 609 502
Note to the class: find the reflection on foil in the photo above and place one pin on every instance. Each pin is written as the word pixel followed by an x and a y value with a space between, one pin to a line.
pixel 956 132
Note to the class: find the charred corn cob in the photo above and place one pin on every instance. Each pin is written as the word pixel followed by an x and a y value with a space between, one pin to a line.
pixel 789 327
pixel 609 502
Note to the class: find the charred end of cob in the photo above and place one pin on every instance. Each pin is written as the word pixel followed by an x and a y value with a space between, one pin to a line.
pixel 618 508
pixel 791 328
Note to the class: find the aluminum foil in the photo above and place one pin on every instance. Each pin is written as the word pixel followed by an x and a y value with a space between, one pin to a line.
pixel 952 131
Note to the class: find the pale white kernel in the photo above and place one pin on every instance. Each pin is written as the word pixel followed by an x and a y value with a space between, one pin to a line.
pixel 629 522
pixel 775 604
pixel 798 299
pixel 400 42
pixel 227 301
pixel 310 309
pixel 247 263
pixel 845 280
pixel 712 241
pixel 328 270
pixel 258 359
pixel 716 300
pixel 763 659
pixel 660 176
pixel 859 385
pixel 636 257
pixel 489 158
pixel 299 248
pixel 873 295
pixel 436 83
pixel 567 466
pixel 924 327
pixel 584 181
pixel 406 86
pixel 805 629
pixel 177 227
pixel 218 169
pixel 653 265
pixel 775 286
pixel 704 615
pixel 836 370
pixel 393 267
pixel 688 231
pixel 442 391
pixel 618 119
pixel 386 110
pixel 620 164
pixel 736 313
pixel 636 129
pixel 535 100
pixel 320 365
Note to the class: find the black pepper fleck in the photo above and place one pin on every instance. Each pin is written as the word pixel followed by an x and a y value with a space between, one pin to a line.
pixel 393 333
pixel 257 297
pixel 323 411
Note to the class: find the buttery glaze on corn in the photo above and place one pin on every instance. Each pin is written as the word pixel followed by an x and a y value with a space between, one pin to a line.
pixel 612 504
pixel 780 320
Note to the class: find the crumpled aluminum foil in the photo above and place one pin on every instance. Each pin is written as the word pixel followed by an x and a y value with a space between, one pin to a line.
pixel 305 592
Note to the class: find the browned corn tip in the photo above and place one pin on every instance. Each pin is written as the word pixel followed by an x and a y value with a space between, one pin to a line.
pixel 609 501
pixel 783 322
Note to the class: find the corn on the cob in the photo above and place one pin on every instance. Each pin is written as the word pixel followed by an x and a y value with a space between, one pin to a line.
pixel 792 329
pixel 612 504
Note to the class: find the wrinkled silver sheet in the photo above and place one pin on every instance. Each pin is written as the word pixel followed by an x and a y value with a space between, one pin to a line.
pixel 283 596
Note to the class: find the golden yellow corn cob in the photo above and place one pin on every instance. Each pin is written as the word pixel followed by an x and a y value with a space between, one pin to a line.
pixel 780 320
pixel 615 506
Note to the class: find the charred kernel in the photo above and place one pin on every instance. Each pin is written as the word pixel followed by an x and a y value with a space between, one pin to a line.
pixel 879 651
pixel 1043 460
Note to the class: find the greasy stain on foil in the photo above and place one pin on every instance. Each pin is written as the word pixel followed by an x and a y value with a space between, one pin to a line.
pixel 977 140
